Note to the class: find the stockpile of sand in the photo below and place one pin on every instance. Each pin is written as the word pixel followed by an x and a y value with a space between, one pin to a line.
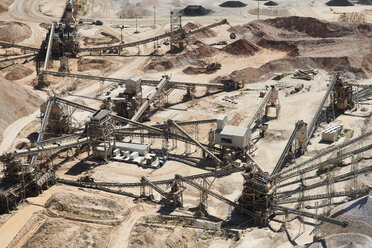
pixel 352 240
pixel 287 46
pixel 102 38
pixel 14 32
pixel 16 102
pixel 188 57
pixel 64 233
pixel 241 47
pixel 204 34
pixel 91 64
pixel 270 3
pixel 17 72
pixel 195 10
pixel 233 4
pixel 84 207
pixel 358 214
pixel 339 3
pixel 304 25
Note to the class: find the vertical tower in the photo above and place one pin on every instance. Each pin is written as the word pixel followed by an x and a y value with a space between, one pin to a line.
pixel 177 32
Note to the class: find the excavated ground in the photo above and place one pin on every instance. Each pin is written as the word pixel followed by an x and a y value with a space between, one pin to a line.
pixel 89 218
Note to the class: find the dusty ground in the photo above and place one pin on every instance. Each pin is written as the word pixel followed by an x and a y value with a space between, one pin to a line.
pixel 65 216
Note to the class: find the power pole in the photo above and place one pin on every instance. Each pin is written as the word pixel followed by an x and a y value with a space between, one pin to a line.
pixel 136 32
pixel 155 14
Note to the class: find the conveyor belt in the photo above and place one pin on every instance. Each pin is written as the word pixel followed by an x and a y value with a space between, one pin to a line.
pixel 154 186
pixel 260 107
pixel 315 120
pixel 196 143
pixel 150 98
pixel 335 179
pixel 343 223
pixel 324 163
pixel 8 44
pixel 338 147
pixel 280 163
pixel 155 38
pixel 22 56
pixel 175 84
pixel 217 196
pixel 323 196
pixel 167 181
pixel 39 149
pixel 49 48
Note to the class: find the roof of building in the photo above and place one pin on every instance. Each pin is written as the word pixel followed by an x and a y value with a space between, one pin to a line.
pixel 134 78
pixel 100 114
pixel 132 146
pixel 234 131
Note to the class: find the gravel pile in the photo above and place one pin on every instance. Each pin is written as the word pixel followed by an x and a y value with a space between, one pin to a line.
pixel 195 10
pixel 339 3
pixel 233 4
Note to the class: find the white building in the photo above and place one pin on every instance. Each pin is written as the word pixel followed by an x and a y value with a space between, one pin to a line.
pixel 231 136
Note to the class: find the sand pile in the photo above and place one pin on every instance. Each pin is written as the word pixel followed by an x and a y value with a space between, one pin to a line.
pixel 84 207
pixel 102 38
pixel 352 240
pixel 204 34
pixel 270 3
pixel 241 47
pixel 133 11
pixel 195 10
pixel 233 4
pixel 63 233
pixel 93 64
pixel 17 72
pixel 189 57
pixel 339 3
pixel 16 102
pixel 268 70
pixel 306 25
pixel 286 46
pixel 14 32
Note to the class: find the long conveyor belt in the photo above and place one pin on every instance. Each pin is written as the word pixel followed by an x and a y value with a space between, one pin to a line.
pixel 335 148
pixel 335 179
pixel 343 223
pixel 324 163
pixel 315 120
pixel 280 163
pixel 217 196
pixel 175 84
pixel 148 40
pixel 167 181
pixel 323 196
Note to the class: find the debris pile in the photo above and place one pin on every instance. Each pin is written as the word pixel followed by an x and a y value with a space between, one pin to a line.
pixel 195 10
pixel 241 47
pixel 233 4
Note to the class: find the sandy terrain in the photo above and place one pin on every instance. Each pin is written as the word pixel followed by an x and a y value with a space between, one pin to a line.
pixel 65 216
